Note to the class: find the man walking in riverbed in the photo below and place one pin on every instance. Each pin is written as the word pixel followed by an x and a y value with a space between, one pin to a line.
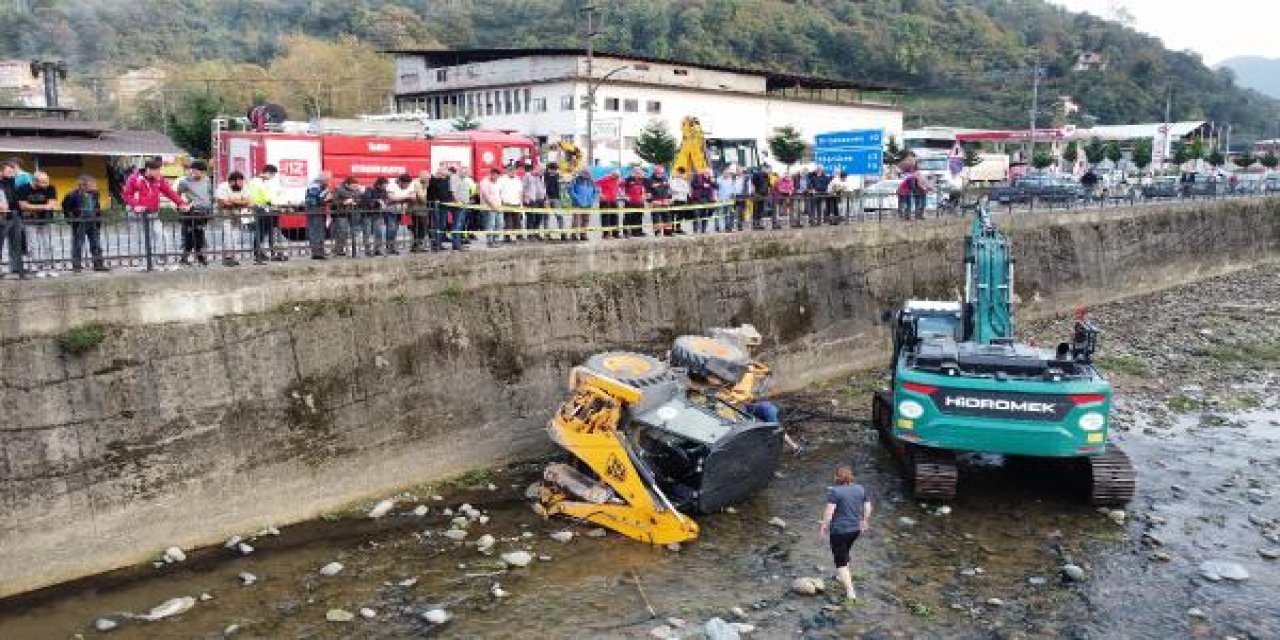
pixel 847 515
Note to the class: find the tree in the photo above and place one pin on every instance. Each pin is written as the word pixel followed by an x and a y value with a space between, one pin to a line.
pixel 893 154
pixel 1270 161
pixel 1244 160
pixel 787 145
pixel 1215 159
pixel 972 157
pixel 1142 153
pixel 466 123
pixel 1072 152
pixel 340 78
pixel 1195 150
pixel 1180 153
pixel 188 122
pixel 1095 151
pixel 655 144
pixel 1112 151
pixel 1041 160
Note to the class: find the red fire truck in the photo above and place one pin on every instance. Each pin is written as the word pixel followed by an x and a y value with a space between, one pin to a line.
pixel 366 152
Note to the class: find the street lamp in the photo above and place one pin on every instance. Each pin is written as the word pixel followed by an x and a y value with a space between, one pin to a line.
pixel 591 111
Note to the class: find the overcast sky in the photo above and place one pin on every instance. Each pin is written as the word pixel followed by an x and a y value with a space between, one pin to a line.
pixel 1217 30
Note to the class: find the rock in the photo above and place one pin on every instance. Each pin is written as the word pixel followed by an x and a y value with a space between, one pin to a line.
pixel 676 623
pixel 995 602
pixel 448 513
pixel 437 498
pixel 1269 554
pixel 545 558
pixel 233 542
pixel 483 519
pixel 1073 573
pixel 339 615
pixel 205 597
pixel 408 582
pixel 1152 540
pixel 420 510
pixel 174 554
pixel 674 547
pixel 455 534
pixel 382 508
pixel 461 522
pixel 105 624
pixel 663 632
pixel 331 569
pixel 168 608
pixel 485 542
pixel 1162 556
pixel 739 613
pixel 968 573
pixel 717 629
pixel 231 630
pixel 744 628
pixel 907 522
pixel 533 491
pixel 244 549
pixel 498 592
pixel 778 522
pixel 1196 612
pixel 1037 581
pixel 1216 570
pixel 1117 516
pixel 730 510
pixel 563 537
pixel 367 613
pixel 436 616
pixel 597 533
pixel 247 578
pixel 267 531
pixel 807 586
pixel 944 510
pixel 517 558
pixel 492 487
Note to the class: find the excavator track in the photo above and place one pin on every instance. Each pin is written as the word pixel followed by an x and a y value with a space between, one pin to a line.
pixel 933 473
pixel 1112 480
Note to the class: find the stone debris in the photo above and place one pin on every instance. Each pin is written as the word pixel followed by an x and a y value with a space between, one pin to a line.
pixel 105 624
pixel 382 508
pixel 231 630
pixel 739 613
pixel 597 533
pixel 498 592
pixel 808 586
pixel 944 510
pixel 205 597
pixel 448 513
pixel 339 615
pixel 907 522
pixel 1196 612
pixel 1215 570
pixel 247 578
pixel 995 602
pixel 1073 573
pixel 437 498
pixel 492 487
pixel 731 510
pixel 485 543
pixel 778 522
pixel 1270 554
pixel 367 613
pixel 408 582
pixel 563 537
pixel 1117 515
pixel 717 629
pixel 169 608
pixel 174 554
pixel 267 531
pixel 331 569
pixel 244 548
pixel 455 534
pixel 483 519
pixel 436 616
pixel 676 623
pixel 1037 581
pixel 662 632
pixel 460 522
pixel 517 558
pixel 744 628
pixel 420 510
pixel 233 542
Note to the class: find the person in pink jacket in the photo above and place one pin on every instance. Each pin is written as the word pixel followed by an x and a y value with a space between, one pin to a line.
pixel 142 191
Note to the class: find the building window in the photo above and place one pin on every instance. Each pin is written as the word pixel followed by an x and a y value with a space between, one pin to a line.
pixel 566 103
pixel 538 105
pixel 442 75
pixel 610 104
pixel 527 100
pixel 654 107
pixel 631 106
pixel 629 142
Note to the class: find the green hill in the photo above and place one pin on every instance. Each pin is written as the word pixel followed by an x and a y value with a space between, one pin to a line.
pixel 963 62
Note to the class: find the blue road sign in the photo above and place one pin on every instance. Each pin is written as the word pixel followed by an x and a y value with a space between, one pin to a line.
pixel 847 139
pixel 859 152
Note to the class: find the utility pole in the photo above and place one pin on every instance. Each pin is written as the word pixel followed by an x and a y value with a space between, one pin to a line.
pixel 1035 106
pixel 589 11
pixel 1164 143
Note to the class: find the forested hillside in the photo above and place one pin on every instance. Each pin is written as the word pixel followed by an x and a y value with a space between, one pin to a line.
pixel 964 62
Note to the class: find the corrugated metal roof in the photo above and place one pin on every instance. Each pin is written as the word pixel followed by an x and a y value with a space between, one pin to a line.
pixel 111 143
pixel 56 126
pixel 1135 131
pixel 775 79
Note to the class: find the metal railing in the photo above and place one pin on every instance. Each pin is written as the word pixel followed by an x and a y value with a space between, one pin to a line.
pixel 170 240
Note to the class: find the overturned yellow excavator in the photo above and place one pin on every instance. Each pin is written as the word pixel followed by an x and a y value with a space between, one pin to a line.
pixel 652 441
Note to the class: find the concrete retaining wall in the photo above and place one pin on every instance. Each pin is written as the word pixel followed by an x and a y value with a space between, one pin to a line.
pixel 221 401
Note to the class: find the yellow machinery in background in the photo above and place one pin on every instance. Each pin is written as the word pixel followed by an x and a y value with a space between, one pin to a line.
pixel 692 154
pixel 572 159
pixel 646 451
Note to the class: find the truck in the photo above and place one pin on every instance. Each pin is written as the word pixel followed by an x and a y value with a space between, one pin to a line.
pixel 300 151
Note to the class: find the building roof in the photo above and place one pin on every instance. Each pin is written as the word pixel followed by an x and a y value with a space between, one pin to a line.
pixel 774 79
pixel 1135 131
pixel 110 143
pixel 53 126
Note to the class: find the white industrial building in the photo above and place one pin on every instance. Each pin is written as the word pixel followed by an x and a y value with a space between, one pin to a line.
pixel 543 93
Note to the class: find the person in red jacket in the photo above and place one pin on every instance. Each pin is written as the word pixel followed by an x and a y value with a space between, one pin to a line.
pixel 610 190
pixel 142 191
pixel 636 191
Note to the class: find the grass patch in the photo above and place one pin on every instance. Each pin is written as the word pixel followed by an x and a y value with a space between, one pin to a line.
pixel 473 478
pixel 1184 404
pixel 80 340
pixel 313 309
pixel 1243 402
pixel 1125 364
pixel 451 291
pixel 919 609
pixel 400 298
pixel 1251 354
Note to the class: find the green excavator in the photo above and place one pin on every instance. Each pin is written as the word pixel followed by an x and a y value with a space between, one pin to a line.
pixel 962 384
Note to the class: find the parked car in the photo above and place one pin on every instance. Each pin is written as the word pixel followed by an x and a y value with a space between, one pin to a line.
pixel 1161 187
pixel 1039 187
pixel 1201 184
pixel 1271 182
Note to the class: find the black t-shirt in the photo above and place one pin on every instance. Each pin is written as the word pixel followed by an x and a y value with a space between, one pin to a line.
pixel 31 194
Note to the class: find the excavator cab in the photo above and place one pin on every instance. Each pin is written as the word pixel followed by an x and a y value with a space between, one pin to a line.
pixel 740 152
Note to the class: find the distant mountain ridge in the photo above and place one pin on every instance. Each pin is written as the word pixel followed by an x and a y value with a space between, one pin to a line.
pixel 1255 72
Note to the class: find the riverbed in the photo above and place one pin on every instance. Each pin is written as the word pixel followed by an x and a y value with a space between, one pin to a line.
pixel 1195 370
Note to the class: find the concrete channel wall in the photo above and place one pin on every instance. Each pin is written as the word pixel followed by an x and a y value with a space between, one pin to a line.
pixel 219 401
